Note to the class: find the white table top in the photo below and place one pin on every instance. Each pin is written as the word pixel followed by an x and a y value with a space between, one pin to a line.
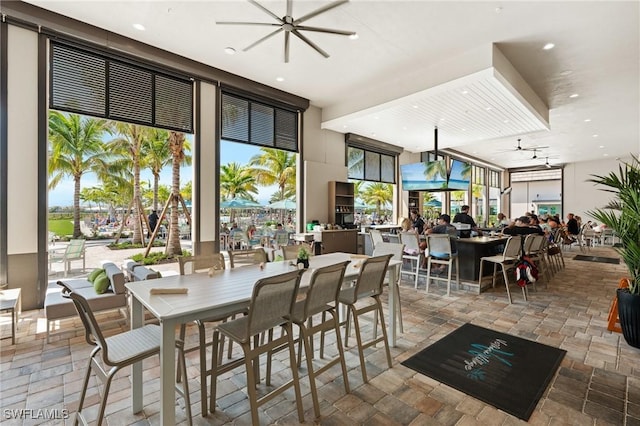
pixel 224 288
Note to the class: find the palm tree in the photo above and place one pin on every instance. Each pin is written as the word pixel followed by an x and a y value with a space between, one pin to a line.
pixel 378 193
pixel 176 145
pixel 275 166
pixel 132 141
pixel 237 181
pixel 76 149
pixel 158 156
pixel 187 191
pixel 436 170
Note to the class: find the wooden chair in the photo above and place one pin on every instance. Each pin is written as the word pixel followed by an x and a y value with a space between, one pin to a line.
pixel 321 298
pixel 271 306
pixel 74 251
pixel 506 260
pixel 117 352
pixel 367 287
pixel 440 253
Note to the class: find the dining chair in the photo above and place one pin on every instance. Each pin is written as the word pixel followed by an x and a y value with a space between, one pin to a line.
pixel 291 252
pixel 271 306
pixel 412 253
pixel 209 263
pixel 555 250
pixel 117 352
pixel 376 237
pixel 506 260
pixel 441 253
pixel 247 257
pixel 321 298
pixel 396 250
pixel 536 250
pixel 280 239
pixel 368 287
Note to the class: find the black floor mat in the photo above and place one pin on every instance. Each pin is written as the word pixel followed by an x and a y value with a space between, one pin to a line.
pixel 612 260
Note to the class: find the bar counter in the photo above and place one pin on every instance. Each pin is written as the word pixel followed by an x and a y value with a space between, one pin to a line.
pixel 471 250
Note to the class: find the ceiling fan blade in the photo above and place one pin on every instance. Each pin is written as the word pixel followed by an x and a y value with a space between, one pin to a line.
pixel 286 47
pixel 319 11
pixel 265 10
pixel 310 43
pixel 249 23
pixel 262 39
pixel 325 30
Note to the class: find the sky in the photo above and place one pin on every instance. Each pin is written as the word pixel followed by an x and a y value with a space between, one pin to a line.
pixel 62 195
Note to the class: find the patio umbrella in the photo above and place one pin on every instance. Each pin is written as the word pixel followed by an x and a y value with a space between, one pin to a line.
pixel 239 203
pixel 283 205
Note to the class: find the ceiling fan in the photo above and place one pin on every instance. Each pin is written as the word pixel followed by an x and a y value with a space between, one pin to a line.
pixel 519 147
pixel 289 25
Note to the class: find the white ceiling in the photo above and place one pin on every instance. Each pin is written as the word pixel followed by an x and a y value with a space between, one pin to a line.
pixel 406 72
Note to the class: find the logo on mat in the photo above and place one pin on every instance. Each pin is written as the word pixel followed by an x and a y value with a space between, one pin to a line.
pixel 482 355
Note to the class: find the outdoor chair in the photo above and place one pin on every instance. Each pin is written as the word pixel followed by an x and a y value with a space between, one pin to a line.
pixel 204 264
pixel 321 298
pixel 117 352
pixel 376 237
pixel 74 251
pixel 247 257
pixel 291 252
pixel 441 253
pixel 280 239
pixel 412 253
pixel 397 252
pixel 536 250
pixel 506 260
pixel 368 288
pixel 271 306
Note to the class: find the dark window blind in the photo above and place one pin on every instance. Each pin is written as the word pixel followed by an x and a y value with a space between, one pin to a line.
pixel 89 83
pixel 247 121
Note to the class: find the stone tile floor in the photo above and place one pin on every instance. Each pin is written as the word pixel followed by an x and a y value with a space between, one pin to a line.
pixel 598 382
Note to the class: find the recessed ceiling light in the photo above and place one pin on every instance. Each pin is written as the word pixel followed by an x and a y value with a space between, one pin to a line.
pixel 376 117
pixel 345 126
pixel 549 46
pixel 566 73
pixel 586 120
pixel 463 129
pixel 139 27
pixel 373 134
pixel 601 146
pixel 354 36
pixel 464 92
pixel 404 128
pixel 498 9
pixel 505 121
pixel 279 78
pixel 415 106
pixel 595 136
pixel 606 155
pixel 488 109
pixel 574 95
pixel 229 50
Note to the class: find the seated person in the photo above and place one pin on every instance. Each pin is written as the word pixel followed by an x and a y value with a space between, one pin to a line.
pixel 502 221
pixel 522 227
pixel 443 227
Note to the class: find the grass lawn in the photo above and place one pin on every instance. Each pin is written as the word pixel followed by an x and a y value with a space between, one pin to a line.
pixel 61 227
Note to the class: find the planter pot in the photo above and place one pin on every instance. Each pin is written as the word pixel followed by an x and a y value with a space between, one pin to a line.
pixel 305 263
pixel 629 314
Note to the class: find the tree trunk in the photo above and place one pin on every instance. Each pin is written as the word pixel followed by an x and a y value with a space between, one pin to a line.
pixel 156 179
pixel 76 207
pixel 137 223
pixel 176 142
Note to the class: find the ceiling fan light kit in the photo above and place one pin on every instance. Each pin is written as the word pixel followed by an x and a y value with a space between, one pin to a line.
pixel 289 25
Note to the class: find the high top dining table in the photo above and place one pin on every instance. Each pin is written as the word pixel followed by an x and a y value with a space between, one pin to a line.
pixel 206 297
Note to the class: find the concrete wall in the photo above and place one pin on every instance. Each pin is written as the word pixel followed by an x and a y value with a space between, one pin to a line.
pixel 22 164
pixel 323 161
pixel 581 196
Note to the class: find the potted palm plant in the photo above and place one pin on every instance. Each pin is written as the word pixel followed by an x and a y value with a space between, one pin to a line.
pixel 303 257
pixel 622 215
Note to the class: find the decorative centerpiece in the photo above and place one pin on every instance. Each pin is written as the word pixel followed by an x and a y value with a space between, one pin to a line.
pixel 622 215
pixel 303 257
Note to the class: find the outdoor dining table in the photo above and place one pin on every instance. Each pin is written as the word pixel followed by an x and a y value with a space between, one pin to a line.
pixel 205 297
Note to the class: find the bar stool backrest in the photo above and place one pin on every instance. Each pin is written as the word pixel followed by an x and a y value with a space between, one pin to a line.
pixel 201 263
pixel 324 288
